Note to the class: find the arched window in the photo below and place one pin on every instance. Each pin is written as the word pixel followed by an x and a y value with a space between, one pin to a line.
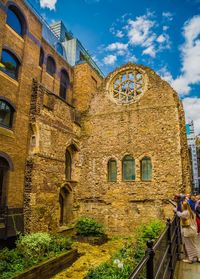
pixel 4 168
pixel 41 60
pixel 6 114
pixel 128 168
pixel 146 169
pixel 60 49
pixel 68 165
pixel 51 66
pixel 16 20
pixel 112 170
pixel 9 64
pixel 64 84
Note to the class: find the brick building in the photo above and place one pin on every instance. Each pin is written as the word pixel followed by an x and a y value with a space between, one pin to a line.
pixel 73 143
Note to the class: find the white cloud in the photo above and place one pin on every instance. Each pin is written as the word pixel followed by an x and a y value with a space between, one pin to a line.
pixel 165 28
pixel 50 4
pixel 131 58
pixel 150 51
pixel 168 16
pixel 110 59
pixel 119 34
pixel 165 74
pixel 161 39
pixel 117 46
pixel 190 55
pixel 192 109
pixel 139 30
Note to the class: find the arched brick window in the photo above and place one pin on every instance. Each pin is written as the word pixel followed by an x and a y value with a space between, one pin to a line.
pixel 128 168
pixel 6 114
pixel 9 64
pixel 64 84
pixel 15 19
pixel 51 66
pixel 112 170
pixel 146 169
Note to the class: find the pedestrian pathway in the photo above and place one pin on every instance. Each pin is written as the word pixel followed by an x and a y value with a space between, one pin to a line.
pixel 187 271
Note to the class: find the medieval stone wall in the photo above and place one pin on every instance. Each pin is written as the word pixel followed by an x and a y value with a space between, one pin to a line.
pixel 53 131
pixel 149 127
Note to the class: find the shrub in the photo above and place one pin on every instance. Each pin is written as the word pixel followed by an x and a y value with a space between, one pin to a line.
pixel 31 249
pixel 34 246
pixel 124 261
pixel 59 243
pixel 11 262
pixel 89 227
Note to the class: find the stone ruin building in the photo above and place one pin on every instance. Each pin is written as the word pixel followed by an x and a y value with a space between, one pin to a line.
pixel 73 143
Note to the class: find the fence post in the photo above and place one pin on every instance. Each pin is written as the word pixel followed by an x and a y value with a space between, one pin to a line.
pixel 150 267
pixel 169 234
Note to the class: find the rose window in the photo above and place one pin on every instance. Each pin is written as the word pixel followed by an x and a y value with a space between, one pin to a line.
pixel 127 85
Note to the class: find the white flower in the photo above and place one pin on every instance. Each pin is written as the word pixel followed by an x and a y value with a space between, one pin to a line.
pixel 120 265
pixel 117 261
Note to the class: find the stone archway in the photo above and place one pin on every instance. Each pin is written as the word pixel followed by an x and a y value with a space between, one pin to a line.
pixel 65 202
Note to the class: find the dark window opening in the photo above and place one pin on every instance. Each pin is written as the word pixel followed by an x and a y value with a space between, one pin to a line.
pixel 68 165
pixel 6 114
pixel 146 169
pixel 16 20
pixel 9 64
pixel 41 60
pixel 4 167
pixel 128 168
pixel 51 66
pixel 112 170
pixel 64 84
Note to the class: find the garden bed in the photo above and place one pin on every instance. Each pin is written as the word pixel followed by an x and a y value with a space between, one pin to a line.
pixel 92 240
pixel 50 267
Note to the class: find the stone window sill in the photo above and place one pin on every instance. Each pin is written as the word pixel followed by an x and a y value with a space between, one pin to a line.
pixel 6 132
pixel 14 33
pixel 9 78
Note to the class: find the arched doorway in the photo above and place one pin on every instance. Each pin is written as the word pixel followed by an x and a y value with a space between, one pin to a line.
pixel 4 168
pixel 65 201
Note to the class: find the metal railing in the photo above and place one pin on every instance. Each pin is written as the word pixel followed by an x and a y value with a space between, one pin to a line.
pixel 160 259
pixel 3 211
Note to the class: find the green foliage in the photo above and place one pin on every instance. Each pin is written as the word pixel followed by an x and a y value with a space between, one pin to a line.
pixel 146 232
pixel 89 227
pixel 34 245
pixel 125 260
pixel 30 250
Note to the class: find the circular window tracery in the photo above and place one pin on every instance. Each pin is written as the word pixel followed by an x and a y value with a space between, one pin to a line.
pixel 127 85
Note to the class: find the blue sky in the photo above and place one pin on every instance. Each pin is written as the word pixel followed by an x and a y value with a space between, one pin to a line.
pixel 164 35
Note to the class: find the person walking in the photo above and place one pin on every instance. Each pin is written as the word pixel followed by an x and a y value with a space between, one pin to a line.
pixel 189 232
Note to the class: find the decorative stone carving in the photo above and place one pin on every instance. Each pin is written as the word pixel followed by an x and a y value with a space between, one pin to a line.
pixel 127 85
